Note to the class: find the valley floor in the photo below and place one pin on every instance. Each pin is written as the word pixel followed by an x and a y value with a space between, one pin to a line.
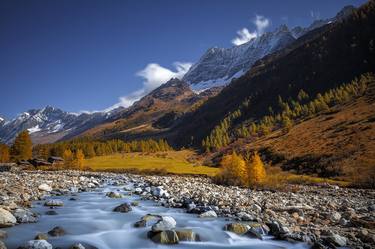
pixel 319 215
pixel 175 162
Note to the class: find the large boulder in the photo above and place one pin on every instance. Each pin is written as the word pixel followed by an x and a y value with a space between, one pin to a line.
pixel 6 218
pixel 164 237
pixel 38 244
pixel 123 208
pixel 165 223
pixel 187 235
pixel 237 228
pixel 54 203
pixel 25 216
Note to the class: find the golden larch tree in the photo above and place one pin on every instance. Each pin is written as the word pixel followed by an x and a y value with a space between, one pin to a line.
pixel 79 158
pixel 232 171
pixel 22 147
pixel 68 159
pixel 256 171
pixel 4 153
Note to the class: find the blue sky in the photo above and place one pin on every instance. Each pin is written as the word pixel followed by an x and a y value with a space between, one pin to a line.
pixel 86 54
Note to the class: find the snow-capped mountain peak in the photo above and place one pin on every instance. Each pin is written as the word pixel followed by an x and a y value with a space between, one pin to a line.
pixel 219 66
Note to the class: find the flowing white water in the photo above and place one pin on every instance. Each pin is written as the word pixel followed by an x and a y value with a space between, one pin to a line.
pixel 91 221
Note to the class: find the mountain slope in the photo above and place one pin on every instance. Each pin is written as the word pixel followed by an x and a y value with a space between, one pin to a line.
pixel 339 141
pixel 329 56
pixel 152 114
pixel 218 66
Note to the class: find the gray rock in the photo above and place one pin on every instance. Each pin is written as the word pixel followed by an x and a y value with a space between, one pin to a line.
pixel 123 208
pixel 38 244
pixel 77 246
pixel 44 187
pixel 25 216
pixel 237 228
pixel 3 234
pixel 166 223
pixel 2 245
pixel 138 191
pixel 54 203
pixel 164 237
pixel 337 240
pixel 245 216
pixel 187 235
pixel 335 216
pixel 254 233
pixel 208 214
pixel 140 223
pixel 114 195
pixel 57 231
pixel 41 236
pixel 160 192
pixel 6 218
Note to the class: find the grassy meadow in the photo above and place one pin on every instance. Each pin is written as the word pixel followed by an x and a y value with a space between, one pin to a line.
pixel 176 162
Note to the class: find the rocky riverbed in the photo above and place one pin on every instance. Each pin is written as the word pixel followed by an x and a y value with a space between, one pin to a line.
pixel 322 216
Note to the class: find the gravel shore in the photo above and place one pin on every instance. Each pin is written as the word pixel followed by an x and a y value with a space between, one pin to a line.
pixel 324 216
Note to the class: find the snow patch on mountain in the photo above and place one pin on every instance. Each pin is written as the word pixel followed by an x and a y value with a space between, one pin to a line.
pixel 34 129
pixel 205 85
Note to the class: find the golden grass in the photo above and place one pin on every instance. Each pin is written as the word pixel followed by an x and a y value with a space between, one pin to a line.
pixel 176 162
pixel 278 179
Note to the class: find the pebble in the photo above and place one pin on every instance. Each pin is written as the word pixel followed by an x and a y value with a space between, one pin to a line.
pixel 45 187
pixel 208 214
pixel 54 203
pixel 38 244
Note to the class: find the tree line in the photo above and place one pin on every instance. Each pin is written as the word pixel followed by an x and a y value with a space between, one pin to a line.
pixel 291 111
pixel 74 151
pixel 91 148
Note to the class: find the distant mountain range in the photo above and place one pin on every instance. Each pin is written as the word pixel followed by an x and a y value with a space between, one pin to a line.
pixel 163 107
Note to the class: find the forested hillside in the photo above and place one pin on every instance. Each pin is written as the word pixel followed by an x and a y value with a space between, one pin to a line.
pixel 334 55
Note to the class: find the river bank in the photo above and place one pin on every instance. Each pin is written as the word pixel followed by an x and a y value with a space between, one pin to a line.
pixel 323 216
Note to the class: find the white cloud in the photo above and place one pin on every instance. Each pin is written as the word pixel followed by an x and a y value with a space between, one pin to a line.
pixel 154 75
pixel 244 35
pixel 261 23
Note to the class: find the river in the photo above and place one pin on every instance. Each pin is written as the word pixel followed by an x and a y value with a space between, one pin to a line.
pixel 90 220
